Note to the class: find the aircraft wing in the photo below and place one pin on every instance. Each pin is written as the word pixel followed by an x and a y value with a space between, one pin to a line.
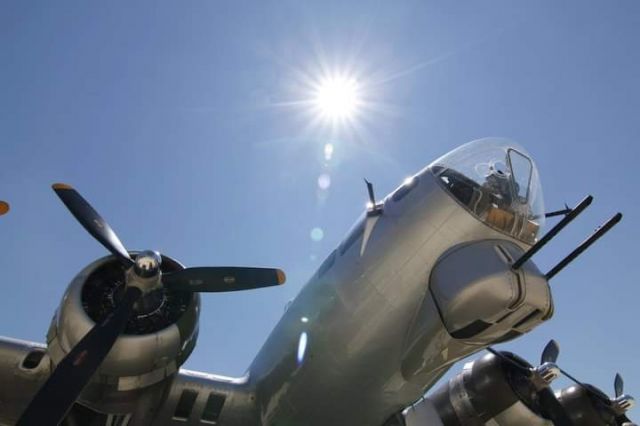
pixel 189 397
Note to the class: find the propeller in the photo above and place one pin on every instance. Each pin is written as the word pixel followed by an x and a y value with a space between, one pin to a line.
pixel 213 279
pixel 540 378
pixel 4 208
pixel 618 385
pixel 54 399
pixel 617 406
pixel 92 222
pixel 143 275
pixel 620 404
pixel 550 353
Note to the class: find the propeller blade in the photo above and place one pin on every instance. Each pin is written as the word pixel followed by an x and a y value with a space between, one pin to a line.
pixel 587 388
pixel 92 221
pixel 574 380
pixel 221 279
pixel 508 360
pixel 4 207
pixel 550 352
pixel 60 391
pixel 618 385
pixel 554 411
pixel 623 420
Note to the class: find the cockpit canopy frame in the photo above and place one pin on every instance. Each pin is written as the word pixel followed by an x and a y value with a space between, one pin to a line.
pixel 497 181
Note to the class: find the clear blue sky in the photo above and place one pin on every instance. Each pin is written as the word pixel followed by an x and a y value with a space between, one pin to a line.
pixel 180 121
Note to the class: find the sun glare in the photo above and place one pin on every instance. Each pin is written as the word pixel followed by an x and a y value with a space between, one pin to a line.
pixel 337 98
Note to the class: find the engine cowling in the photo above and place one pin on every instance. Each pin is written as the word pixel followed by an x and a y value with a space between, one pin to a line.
pixel 159 336
pixel 589 406
pixel 488 389
pixel 495 390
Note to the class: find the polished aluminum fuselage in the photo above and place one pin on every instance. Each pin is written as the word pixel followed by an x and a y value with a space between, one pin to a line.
pixel 360 317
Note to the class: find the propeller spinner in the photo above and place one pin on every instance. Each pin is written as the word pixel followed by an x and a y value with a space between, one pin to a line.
pixel 143 275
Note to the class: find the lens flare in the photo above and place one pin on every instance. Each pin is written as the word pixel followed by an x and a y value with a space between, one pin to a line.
pixel 324 181
pixel 317 234
pixel 328 152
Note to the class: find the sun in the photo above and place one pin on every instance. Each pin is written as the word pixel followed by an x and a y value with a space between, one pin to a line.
pixel 337 98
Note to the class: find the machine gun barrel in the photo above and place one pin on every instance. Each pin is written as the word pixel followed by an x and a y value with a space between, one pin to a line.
pixel 585 245
pixel 553 232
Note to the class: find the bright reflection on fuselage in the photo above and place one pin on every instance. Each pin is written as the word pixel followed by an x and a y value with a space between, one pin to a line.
pixel 302 347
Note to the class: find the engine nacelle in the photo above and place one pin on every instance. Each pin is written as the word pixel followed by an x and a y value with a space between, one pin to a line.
pixel 493 391
pixel 158 338
pixel 592 407
pixel 488 391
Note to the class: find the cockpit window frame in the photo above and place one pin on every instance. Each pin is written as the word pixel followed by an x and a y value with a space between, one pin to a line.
pixel 480 176
pixel 514 184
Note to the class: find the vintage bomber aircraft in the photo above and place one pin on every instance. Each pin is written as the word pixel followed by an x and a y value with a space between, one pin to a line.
pixel 438 270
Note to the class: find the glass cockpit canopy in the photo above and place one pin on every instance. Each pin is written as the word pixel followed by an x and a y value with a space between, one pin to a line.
pixel 498 182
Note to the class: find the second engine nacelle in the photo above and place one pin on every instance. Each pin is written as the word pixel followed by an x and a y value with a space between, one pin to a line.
pixel 506 391
pixel 488 390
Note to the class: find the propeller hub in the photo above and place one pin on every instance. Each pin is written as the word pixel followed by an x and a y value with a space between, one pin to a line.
pixel 147 264
pixel 547 372
pixel 624 402
pixel 145 273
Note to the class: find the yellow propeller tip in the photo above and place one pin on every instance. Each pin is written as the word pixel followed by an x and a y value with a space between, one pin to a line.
pixel 281 276
pixel 61 186
pixel 4 207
